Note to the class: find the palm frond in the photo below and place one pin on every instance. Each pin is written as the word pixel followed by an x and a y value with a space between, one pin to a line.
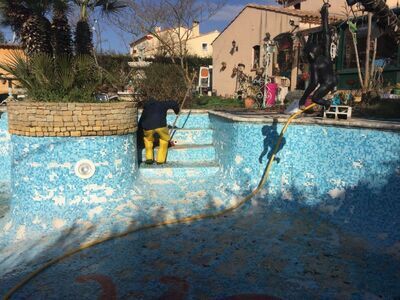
pixel 110 6
pixel 65 78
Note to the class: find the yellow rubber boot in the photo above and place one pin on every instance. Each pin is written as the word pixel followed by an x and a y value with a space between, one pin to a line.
pixel 164 140
pixel 148 144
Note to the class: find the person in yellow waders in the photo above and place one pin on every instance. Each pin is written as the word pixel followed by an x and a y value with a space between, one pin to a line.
pixel 154 120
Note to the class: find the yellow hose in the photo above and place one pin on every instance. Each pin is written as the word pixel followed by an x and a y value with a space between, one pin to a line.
pixel 167 222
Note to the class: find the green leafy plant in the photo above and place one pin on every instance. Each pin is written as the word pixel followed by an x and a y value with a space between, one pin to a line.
pixel 162 82
pixel 215 102
pixel 64 79
pixel 117 66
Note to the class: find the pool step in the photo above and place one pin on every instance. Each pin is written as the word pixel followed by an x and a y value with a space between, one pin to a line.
pixel 179 170
pixel 188 153
pixel 192 121
pixel 193 136
pixel 193 155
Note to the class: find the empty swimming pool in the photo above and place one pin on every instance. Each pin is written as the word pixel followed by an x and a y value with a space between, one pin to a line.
pixel 325 225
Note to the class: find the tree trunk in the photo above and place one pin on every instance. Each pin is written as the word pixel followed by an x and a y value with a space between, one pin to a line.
pixel 83 38
pixel 367 54
pixel 36 35
pixel 61 34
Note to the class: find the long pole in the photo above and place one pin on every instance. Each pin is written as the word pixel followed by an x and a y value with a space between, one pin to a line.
pixel 354 38
pixel 182 104
pixel 367 54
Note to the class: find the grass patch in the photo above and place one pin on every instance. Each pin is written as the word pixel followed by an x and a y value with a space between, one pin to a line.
pixel 214 102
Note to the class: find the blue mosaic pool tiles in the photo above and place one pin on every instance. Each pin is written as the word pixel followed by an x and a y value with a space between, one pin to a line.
pixel 353 181
pixel 191 153
pixel 5 150
pixel 351 175
pixel 180 170
pixel 48 194
pixel 193 136
pixel 189 119
pixel 5 165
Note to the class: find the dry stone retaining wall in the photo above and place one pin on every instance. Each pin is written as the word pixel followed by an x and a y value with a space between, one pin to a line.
pixel 42 119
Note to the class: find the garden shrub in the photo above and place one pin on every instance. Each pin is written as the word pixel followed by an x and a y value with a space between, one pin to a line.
pixel 194 62
pixel 162 82
pixel 117 66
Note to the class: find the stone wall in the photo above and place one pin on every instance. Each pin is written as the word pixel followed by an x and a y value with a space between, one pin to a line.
pixel 40 119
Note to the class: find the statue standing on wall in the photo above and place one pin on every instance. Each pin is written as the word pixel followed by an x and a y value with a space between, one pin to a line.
pixel 322 75
pixel 269 49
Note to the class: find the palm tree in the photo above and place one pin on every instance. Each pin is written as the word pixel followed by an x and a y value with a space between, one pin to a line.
pixel 83 34
pixel 28 19
pixel 61 31
pixel 2 38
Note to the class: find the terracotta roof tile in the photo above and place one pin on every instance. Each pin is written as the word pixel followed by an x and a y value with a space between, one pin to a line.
pixel 290 11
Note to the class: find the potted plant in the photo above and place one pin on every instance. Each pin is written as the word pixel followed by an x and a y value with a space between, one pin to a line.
pixel 250 96
pixel 58 90
pixel 249 101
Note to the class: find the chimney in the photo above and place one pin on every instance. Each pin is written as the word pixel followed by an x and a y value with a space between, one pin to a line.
pixel 196 29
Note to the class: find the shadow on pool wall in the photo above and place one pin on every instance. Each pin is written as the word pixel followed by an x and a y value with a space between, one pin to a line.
pixel 351 176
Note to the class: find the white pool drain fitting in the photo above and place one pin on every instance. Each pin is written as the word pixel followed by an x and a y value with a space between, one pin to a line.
pixel 85 169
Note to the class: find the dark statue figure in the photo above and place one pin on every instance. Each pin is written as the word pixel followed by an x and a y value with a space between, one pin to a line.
pixel 322 74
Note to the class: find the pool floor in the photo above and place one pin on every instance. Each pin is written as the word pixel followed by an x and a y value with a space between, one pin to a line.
pixel 256 250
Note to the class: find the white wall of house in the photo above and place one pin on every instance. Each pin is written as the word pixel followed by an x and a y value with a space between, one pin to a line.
pixel 201 45
pixel 196 43
pixel 247 30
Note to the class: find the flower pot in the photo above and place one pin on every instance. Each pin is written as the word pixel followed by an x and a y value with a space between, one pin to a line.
pixel 249 102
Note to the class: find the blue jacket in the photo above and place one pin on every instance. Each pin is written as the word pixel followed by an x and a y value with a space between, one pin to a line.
pixel 154 113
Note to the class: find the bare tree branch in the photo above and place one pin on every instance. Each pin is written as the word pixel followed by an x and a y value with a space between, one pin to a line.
pixel 175 17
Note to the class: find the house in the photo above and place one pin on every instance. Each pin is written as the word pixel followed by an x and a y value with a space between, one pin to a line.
pixel 241 42
pixel 337 6
pixel 6 51
pixel 194 42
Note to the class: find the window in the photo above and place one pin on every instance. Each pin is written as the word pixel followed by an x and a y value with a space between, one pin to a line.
pixel 204 46
pixel 284 56
pixel 256 57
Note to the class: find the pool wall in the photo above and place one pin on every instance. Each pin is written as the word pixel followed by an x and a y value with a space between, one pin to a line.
pixel 5 158
pixel 48 196
pixel 52 161
pixel 350 175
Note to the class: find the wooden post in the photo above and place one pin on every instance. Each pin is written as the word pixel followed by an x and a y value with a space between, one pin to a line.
pixel 367 53
pixel 295 66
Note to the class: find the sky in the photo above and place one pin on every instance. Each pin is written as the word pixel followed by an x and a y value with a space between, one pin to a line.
pixel 114 40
